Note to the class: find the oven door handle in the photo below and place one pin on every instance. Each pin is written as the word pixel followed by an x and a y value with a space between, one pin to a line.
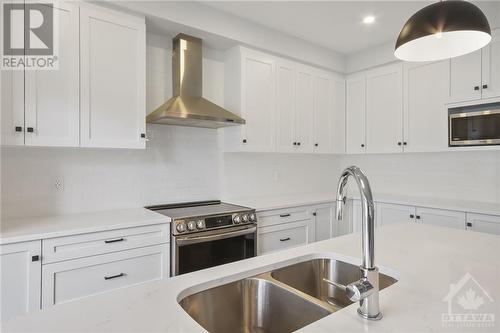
pixel 202 239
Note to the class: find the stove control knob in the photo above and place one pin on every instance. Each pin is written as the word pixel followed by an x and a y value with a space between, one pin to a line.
pixel 191 225
pixel 245 218
pixel 237 219
pixel 200 224
pixel 252 217
pixel 181 227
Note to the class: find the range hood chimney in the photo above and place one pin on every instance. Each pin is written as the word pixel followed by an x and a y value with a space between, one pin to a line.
pixel 187 107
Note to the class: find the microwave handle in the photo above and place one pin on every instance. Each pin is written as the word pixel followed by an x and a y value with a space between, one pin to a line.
pixel 203 239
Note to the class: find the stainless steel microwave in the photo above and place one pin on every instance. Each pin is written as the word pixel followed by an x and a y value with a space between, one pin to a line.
pixel 477 125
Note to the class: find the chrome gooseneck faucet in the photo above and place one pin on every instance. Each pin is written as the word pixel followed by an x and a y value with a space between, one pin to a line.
pixel 366 289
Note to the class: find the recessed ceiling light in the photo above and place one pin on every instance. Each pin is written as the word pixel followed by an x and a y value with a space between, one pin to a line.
pixel 369 19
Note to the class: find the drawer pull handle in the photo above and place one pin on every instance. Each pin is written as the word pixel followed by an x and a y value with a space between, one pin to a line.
pixel 284 215
pixel 114 276
pixel 107 241
pixel 284 239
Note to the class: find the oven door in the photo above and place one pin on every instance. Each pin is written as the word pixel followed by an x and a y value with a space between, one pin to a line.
pixel 479 128
pixel 216 247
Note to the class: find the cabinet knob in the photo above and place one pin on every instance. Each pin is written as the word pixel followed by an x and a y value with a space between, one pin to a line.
pixel 476 88
pixel 362 145
pixel 399 143
pixel 298 143
pixel 295 143
pixel 316 144
pixel 314 214
pixel 30 129
pixel 405 143
pixel 35 258
pixel 412 216
pixel 244 140
pixel 143 135
pixel 469 224
pixel 18 129
pixel 418 217
pixel 485 86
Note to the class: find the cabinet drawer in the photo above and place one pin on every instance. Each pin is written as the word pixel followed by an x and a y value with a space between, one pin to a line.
pixel 284 236
pixel 280 216
pixel 483 223
pixel 73 279
pixel 84 245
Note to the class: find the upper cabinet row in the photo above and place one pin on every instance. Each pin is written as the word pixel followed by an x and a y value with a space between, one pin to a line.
pixel 97 96
pixel 288 106
pixel 403 107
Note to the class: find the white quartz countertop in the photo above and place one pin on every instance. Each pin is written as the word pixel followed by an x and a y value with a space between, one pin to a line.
pixel 286 201
pixel 426 260
pixel 26 229
pixel 263 203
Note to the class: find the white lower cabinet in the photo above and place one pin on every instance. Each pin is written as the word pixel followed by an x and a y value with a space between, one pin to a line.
pixel 483 223
pixel 391 213
pixel 441 217
pixel 69 280
pixel 283 236
pixel 323 221
pixel 20 276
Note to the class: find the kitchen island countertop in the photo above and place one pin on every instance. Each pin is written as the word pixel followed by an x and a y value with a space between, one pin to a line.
pixel 426 260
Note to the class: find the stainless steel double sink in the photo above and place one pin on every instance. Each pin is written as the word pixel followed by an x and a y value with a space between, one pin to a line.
pixel 282 300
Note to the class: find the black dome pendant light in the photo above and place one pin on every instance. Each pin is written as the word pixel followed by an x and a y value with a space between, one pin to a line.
pixel 443 30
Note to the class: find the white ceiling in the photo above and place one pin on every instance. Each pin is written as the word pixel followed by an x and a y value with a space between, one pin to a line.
pixel 336 25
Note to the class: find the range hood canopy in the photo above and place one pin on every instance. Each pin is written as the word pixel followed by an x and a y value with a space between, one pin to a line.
pixel 187 107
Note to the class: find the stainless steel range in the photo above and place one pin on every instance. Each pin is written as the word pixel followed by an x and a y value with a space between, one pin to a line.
pixel 209 233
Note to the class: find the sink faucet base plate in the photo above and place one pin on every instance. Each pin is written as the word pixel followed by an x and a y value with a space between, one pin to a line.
pixel 365 316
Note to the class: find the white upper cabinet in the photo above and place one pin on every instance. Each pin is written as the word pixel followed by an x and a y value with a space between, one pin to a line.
pixel 304 107
pixel 476 75
pixel 426 87
pixel 465 77
pixel 250 92
pixel 112 79
pixel 355 114
pixel 51 96
pixel 12 107
pixel 288 107
pixel 338 116
pixel 384 110
pixel 20 276
pixel 491 67
pixel 285 106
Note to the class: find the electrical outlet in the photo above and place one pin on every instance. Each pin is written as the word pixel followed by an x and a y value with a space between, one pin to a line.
pixel 59 184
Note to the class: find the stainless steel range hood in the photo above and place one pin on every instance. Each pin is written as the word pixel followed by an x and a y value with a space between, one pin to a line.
pixel 187 107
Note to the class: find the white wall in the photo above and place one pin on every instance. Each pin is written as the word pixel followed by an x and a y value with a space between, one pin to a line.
pixel 467 175
pixel 252 174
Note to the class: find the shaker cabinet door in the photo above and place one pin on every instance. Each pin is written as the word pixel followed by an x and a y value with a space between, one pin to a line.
pixel 52 96
pixel 12 107
pixel 491 67
pixel 465 77
pixel 20 278
pixel 258 109
pixel 285 106
pixel 304 106
pixel 323 114
pixel 425 114
pixel 384 110
pixel 112 79
pixel 355 114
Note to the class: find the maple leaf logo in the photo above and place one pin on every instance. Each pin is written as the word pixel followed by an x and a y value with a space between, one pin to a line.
pixel 469 301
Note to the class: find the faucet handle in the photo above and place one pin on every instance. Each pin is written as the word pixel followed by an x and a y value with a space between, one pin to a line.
pixel 355 291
